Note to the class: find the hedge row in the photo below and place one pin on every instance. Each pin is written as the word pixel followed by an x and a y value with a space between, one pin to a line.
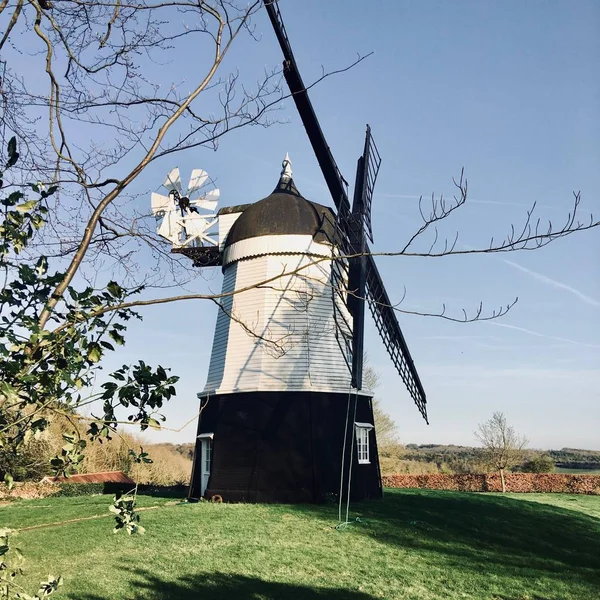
pixel 30 490
pixel 515 482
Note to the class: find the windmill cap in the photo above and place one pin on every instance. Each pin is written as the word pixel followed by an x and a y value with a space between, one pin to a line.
pixel 284 212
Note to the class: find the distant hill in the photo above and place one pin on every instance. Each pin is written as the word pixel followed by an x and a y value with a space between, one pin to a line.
pixel 436 458
pixel 575 458
pixel 461 458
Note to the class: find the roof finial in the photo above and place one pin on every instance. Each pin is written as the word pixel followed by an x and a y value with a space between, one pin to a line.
pixel 286 171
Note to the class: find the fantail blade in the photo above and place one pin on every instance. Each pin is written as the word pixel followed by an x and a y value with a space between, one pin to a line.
pixel 197 179
pixel 160 203
pixel 173 181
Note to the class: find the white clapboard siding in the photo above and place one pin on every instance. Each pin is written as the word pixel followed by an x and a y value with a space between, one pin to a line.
pixel 280 335
pixel 226 222
pixel 274 244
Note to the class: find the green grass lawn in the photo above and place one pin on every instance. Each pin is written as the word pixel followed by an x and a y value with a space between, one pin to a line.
pixel 416 544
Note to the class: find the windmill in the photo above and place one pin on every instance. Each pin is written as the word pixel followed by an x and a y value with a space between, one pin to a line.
pixel 283 415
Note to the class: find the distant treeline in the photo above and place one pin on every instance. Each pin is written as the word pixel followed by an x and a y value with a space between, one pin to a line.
pixel 575 458
pixel 463 458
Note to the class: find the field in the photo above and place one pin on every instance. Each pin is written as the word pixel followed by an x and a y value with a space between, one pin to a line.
pixel 416 544
pixel 577 471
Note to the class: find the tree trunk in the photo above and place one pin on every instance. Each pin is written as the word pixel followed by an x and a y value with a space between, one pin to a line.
pixel 503 482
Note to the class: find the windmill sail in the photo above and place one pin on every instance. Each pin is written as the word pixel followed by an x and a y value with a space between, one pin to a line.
pixel 333 177
pixel 171 227
pixel 379 303
pixel 371 164
pixel 389 329
pixel 209 201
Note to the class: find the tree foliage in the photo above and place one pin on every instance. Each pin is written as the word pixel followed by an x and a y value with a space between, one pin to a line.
pixel 93 106
pixel 540 463
pixel 503 446
pixel 45 372
pixel 47 368
pixel 385 427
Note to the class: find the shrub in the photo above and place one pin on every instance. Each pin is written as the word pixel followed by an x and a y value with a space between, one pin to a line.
pixel 31 461
pixel 168 467
pixel 89 489
pixel 28 490
pixel 164 491
pixel 542 463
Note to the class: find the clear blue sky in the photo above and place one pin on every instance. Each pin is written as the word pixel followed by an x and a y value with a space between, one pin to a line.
pixel 511 91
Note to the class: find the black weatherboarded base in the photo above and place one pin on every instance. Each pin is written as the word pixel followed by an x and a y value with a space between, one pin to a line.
pixel 284 447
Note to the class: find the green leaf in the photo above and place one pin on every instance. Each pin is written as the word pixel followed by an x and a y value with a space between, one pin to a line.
pixel 41 266
pixel 8 479
pixel 7 390
pixel 12 145
pixel 116 337
pixel 94 352
pixel 26 206
pixel 114 289
pixel 13 155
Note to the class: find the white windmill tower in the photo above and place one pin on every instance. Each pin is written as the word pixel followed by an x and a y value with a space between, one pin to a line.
pixel 275 401
pixel 186 218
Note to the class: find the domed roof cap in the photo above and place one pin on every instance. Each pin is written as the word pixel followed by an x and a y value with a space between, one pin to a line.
pixel 284 212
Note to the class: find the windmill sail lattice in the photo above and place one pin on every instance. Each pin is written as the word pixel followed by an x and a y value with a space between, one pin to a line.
pixel 389 329
pixel 371 164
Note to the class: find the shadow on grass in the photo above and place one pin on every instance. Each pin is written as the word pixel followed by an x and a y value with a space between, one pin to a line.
pixel 230 587
pixel 164 491
pixel 484 533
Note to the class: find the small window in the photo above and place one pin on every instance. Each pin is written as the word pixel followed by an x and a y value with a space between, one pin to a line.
pixel 208 455
pixel 362 442
pixel 348 348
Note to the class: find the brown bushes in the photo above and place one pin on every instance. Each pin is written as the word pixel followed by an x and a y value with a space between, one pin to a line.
pixel 171 463
pixel 515 482
pixel 168 467
pixel 28 490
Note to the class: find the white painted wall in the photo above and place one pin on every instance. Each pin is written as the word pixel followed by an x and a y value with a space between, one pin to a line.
pixel 226 222
pixel 282 335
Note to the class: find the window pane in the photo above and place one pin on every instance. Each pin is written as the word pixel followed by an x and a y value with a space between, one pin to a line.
pixel 207 455
pixel 362 444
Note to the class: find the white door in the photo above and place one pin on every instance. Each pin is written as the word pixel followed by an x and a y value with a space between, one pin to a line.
pixel 206 459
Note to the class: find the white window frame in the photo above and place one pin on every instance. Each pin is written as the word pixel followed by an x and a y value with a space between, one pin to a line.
pixel 362 442
pixel 206 441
